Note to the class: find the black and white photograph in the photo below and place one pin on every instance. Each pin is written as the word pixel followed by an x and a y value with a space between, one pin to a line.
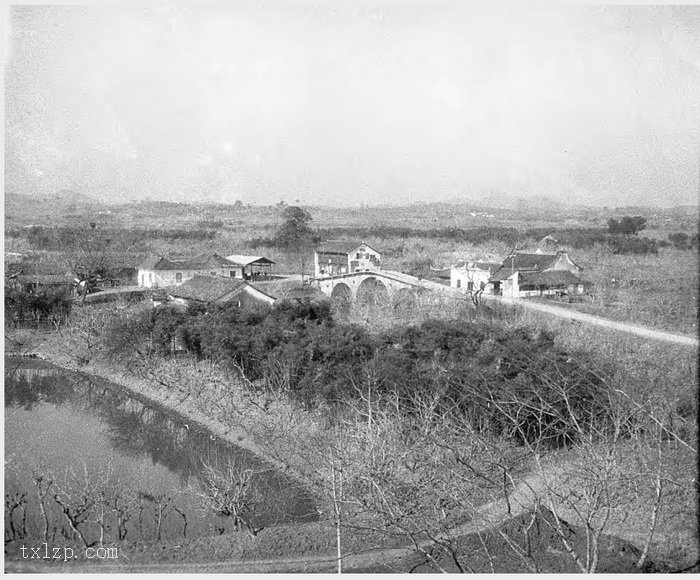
pixel 351 286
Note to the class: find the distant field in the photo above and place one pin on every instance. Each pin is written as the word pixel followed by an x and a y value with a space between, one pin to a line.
pixel 656 290
pixel 653 290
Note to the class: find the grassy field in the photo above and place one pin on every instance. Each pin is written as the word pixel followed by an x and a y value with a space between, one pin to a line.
pixel 659 291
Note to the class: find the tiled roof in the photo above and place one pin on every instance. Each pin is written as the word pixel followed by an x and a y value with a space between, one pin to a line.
pixel 549 278
pixel 207 288
pixel 502 274
pixel 529 261
pixel 248 260
pixel 342 247
pixel 150 263
pixel 486 266
pixel 202 262
pixel 444 273
pixel 523 261
pixel 216 289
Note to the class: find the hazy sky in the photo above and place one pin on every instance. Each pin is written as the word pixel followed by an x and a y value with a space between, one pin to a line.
pixel 351 102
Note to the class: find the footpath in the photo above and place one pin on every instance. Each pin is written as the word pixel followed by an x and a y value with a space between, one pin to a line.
pixel 642 331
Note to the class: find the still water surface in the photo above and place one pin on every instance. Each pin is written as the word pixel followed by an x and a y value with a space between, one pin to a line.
pixel 74 428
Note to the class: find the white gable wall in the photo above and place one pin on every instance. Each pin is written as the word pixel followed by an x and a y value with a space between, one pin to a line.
pixel 469 277
pixel 364 258
pixel 163 278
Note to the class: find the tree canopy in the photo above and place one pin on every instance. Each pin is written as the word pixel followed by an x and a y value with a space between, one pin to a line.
pixel 295 229
pixel 627 226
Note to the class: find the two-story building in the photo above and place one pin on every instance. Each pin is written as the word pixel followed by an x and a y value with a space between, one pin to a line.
pixel 337 258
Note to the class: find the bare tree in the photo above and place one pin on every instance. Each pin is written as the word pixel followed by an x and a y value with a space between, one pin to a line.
pixel 230 493
pixel 43 487
pixel 121 505
pixel 16 502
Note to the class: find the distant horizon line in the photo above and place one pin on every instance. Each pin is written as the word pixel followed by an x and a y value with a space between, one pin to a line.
pixel 481 204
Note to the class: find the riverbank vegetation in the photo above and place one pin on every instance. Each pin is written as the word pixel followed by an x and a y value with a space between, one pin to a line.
pixel 409 427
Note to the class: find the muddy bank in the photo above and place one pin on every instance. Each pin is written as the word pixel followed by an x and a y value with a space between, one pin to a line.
pixel 523 544
pixel 50 348
pixel 283 540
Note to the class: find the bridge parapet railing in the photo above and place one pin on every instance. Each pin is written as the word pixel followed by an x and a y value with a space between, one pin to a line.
pixel 396 276
pixel 399 276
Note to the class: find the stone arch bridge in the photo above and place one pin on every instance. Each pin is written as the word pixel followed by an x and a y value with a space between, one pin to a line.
pixel 377 287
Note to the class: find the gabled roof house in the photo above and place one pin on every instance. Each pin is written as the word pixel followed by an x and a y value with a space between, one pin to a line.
pixel 335 258
pixel 526 274
pixel 158 271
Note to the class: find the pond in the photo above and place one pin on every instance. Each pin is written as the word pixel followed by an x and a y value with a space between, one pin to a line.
pixel 87 461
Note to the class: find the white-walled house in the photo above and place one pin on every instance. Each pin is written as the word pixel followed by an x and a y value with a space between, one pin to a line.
pixel 159 272
pixel 473 276
pixel 337 258
pixel 528 274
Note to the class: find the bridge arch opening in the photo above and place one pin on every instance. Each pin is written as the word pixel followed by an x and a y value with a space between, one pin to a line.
pixel 341 299
pixel 372 293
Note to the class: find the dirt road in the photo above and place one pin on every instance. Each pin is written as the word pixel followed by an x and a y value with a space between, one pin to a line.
pixel 604 322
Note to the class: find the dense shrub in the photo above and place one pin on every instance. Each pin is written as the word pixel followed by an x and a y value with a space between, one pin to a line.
pixel 127 337
pixel 573 237
pixel 333 360
pixel 418 266
pixel 627 226
pixel 512 383
pixel 300 312
pixel 475 236
pixel 49 304
pixel 72 239
pixel 632 245
pixel 210 224
pixel 683 241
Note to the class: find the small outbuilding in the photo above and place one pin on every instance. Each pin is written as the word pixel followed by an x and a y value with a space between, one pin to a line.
pixel 252 267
